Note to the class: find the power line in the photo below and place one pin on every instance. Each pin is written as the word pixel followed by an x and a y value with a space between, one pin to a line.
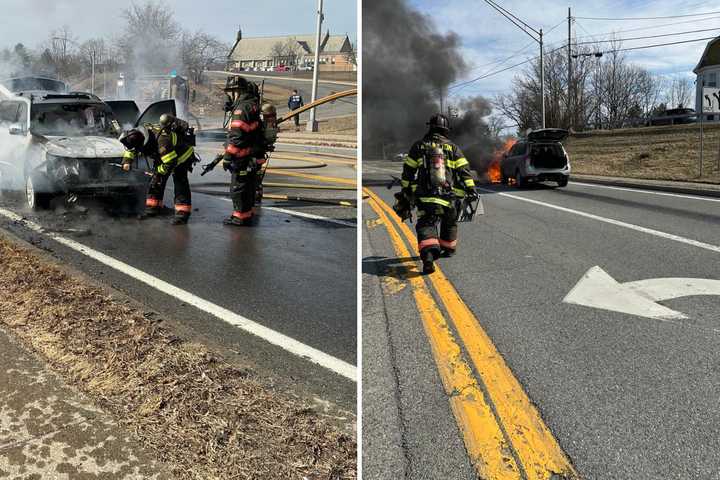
pixel 649 18
pixel 646 37
pixel 658 45
pixel 524 27
pixel 651 27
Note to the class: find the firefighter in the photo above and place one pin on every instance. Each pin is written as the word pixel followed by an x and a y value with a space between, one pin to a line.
pixel 245 148
pixel 295 101
pixel 435 173
pixel 171 155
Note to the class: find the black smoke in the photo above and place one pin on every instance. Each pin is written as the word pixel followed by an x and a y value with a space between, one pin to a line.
pixel 407 65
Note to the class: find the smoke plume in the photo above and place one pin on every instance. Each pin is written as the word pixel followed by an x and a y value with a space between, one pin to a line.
pixel 407 66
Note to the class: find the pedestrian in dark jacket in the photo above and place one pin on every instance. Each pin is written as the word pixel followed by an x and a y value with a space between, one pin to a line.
pixel 294 102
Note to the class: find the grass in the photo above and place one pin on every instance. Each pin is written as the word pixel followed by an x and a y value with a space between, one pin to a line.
pixel 201 416
pixel 659 153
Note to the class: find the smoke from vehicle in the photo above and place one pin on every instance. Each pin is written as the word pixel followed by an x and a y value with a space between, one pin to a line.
pixel 407 66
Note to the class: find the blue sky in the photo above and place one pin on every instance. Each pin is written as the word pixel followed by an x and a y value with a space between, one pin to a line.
pixel 488 37
pixel 30 21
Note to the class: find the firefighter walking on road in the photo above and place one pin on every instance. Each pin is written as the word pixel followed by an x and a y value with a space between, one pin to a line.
pixel 435 174
pixel 245 148
pixel 172 153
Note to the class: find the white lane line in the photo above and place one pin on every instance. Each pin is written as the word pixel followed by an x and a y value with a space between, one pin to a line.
pixel 310 216
pixel 639 190
pixel 286 343
pixel 637 228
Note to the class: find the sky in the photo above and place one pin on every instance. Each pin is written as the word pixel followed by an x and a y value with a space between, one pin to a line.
pixel 488 37
pixel 31 21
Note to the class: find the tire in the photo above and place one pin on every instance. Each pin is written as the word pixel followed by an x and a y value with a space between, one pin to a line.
pixel 520 180
pixel 36 200
pixel 563 182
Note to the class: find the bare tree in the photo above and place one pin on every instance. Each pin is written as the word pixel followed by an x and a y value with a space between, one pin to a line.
pixel 149 42
pixel 199 50
pixel 679 92
pixel 287 52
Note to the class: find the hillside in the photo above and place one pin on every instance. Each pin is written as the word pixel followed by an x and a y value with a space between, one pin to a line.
pixel 665 153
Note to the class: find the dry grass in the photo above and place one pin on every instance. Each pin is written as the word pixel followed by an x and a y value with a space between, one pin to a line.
pixel 203 417
pixel 660 153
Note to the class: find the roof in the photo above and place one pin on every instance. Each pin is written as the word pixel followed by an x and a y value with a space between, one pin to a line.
pixel 260 48
pixel 711 55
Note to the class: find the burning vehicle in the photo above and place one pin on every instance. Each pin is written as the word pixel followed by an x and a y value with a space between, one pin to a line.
pixel 66 145
pixel 539 157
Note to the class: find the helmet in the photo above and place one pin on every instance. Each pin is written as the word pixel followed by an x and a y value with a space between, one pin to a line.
pixel 236 83
pixel 439 122
pixel 135 139
pixel 166 120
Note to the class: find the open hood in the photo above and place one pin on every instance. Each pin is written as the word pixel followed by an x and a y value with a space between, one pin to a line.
pixel 84 147
pixel 548 135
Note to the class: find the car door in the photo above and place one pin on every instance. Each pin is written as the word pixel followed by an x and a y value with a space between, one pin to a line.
pixel 15 121
pixel 153 112
pixel 126 112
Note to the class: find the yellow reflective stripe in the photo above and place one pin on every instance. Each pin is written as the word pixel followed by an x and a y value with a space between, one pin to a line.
pixel 469 182
pixel 459 163
pixel 173 136
pixel 186 155
pixel 129 155
pixel 412 163
pixel 459 192
pixel 404 183
pixel 413 187
pixel 162 170
pixel 438 201
pixel 242 173
pixel 169 157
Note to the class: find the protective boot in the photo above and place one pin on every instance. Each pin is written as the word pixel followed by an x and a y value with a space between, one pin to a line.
pixel 180 220
pixel 448 252
pixel 428 259
pixel 237 222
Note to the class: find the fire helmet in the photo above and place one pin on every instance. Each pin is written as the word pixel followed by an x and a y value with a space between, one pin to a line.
pixel 135 139
pixel 439 122
pixel 236 83
pixel 166 120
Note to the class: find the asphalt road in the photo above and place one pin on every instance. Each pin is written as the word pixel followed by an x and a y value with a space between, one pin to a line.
pixel 293 272
pixel 625 396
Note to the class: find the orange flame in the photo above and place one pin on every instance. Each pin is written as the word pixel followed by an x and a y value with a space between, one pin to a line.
pixel 493 171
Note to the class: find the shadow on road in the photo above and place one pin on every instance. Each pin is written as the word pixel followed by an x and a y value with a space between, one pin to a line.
pixel 390 267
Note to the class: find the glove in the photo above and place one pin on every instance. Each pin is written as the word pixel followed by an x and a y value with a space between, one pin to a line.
pixel 471 195
pixel 227 165
pixel 408 194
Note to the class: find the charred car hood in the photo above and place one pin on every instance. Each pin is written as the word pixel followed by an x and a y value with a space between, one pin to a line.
pixel 84 147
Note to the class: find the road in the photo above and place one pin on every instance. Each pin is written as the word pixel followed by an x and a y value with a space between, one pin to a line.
pixel 270 296
pixel 617 395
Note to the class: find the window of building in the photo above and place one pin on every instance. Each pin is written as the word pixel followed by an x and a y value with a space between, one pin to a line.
pixel 712 80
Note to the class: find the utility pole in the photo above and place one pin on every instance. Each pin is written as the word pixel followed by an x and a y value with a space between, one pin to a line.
pixel 542 77
pixel 570 79
pixel 312 123
pixel 92 82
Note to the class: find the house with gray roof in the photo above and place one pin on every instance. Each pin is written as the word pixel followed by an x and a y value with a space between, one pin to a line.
pixel 294 51
pixel 708 74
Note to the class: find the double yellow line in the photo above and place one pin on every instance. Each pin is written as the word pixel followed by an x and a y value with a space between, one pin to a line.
pixel 503 432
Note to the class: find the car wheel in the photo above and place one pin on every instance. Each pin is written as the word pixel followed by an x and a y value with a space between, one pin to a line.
pixel 563 182
pixel 35 199
pixel 520 180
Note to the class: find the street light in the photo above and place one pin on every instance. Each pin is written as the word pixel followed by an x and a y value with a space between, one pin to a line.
pixel 525 27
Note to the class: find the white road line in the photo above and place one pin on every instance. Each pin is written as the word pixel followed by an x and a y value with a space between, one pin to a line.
pixel 286 343
pixel 637 228
pixel 639 190
pixel 305 215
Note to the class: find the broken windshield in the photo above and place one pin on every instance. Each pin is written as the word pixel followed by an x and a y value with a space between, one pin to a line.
pixel 73 120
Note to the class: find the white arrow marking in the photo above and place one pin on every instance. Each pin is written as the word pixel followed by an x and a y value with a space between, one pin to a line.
pixel 597 289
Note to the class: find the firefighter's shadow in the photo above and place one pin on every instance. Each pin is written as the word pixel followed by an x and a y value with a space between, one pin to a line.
pixel 396 267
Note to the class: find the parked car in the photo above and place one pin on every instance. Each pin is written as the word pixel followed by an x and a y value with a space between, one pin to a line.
pixel 282 68
pixel 67 145
pixel 538 158
pixel 674 116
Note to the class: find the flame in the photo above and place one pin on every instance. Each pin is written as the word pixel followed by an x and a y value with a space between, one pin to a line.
pixel 493 171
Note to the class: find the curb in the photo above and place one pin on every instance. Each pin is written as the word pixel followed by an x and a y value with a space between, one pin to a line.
pixel 666 186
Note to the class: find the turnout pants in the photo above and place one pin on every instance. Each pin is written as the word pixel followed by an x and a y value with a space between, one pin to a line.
pixel 243 187
pixel 183 203
pixel 430 217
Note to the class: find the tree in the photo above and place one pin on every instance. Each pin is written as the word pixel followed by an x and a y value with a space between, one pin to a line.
pixel 286 53
pixel 149 42
pixel 200 50
pixel 679 92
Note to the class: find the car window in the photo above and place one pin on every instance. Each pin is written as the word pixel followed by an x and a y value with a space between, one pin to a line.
pixel 72 119
pixel 9 112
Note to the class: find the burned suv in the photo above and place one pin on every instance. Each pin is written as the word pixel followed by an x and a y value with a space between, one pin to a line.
pixel 66 145
pixel 539 157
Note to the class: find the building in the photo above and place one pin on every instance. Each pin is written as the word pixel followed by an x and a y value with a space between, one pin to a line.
pixel 708 74
pixel 293 51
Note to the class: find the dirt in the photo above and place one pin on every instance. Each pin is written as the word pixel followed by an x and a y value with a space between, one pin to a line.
pixel 200 415
pixel 659 153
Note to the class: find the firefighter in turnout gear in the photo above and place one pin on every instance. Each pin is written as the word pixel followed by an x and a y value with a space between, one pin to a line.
pixel 245 148
pixel 172 153
pixel 436 173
